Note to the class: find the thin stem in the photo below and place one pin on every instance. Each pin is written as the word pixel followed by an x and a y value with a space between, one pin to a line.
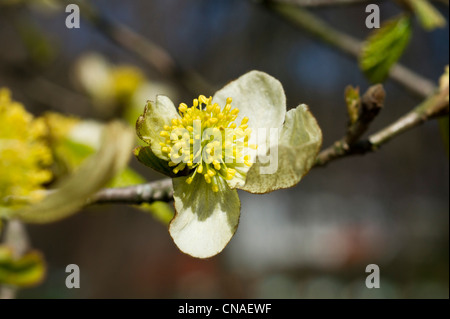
pixel 16 237
pixel 434 106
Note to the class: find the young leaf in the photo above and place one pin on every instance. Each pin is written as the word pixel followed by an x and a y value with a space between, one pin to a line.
pixel 26 271
pixel 429 17
pixel 384 47
pixel 146 156
pixel 353 100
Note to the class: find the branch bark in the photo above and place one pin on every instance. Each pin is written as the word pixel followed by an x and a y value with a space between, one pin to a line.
pixel 138 194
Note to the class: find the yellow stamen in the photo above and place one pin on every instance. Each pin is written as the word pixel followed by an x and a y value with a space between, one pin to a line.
pixel 183 138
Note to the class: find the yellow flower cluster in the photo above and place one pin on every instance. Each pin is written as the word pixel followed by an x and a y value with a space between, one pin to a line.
pixel 24 155
pixel 214 158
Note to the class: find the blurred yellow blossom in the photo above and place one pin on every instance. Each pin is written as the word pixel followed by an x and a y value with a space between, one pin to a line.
pixel 126 80
pixel 106 82
pixel 24 154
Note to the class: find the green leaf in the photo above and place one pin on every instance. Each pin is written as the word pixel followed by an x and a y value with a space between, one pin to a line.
pixel 150 124
pixel 29 270
pixel 384 47
pixel 353 100
pixel 429 17
pixel 146 156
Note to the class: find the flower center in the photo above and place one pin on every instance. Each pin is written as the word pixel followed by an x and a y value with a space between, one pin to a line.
pixel 207 141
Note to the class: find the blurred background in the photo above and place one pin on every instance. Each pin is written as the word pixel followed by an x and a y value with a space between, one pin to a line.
pixel 388 208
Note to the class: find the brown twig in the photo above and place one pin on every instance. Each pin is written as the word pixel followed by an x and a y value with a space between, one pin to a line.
pixel 370 105
pixel 434 106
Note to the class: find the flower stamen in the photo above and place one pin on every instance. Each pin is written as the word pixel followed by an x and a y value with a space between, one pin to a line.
pixel 208 141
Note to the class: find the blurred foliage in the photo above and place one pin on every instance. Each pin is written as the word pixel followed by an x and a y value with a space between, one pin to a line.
pixel 69 152
pixel 73 192
pixel 120 90
pixel 384 47
pixel 111 87
pixel 38 47
pixel 44 5
pixel 57 147
pixel 24 271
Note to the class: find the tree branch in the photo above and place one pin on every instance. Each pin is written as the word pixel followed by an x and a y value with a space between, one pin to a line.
pixel 434 106
pixel 371 104
pixel 144 193
pixel 415 83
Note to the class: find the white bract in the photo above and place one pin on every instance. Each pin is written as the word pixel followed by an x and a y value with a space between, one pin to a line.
pixel 209 155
